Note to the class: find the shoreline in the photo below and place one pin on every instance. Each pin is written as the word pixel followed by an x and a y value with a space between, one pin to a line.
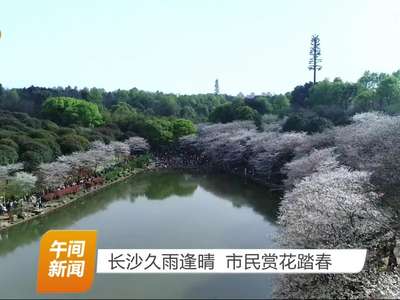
pixel 63 202
pixel 158 163
pixel 194 164
pixel 53 205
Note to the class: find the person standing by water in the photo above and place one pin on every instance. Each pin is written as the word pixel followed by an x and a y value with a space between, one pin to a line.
pixel 39 202
pixel 3 209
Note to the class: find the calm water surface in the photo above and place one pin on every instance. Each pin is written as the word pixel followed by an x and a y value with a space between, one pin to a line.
pixel 155 210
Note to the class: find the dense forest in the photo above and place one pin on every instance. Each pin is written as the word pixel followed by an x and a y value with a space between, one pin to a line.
pixel 332 101
pixel 331 146
pixel 39 124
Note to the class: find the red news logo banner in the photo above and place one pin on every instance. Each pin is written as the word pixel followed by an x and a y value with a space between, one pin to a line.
pixel 67 260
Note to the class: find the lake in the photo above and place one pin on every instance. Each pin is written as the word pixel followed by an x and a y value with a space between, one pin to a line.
pixel 165 209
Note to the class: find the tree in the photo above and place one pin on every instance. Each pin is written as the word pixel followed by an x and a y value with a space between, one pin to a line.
pixel 216 87
pixel 364 101
pixel 9 142
pixel 388 94
pixel 237 146
pixel 223 113
pixel 166 105
pixel 53 175
pixel 280 104
pixel 24 183
pixel 233 111
pixel 158 132
pixel 182 127
pixel 259 103
pixel 99 157
pixel 344 214
pixel 42 149
pixel 138 145
pixel 307 121
pixel 8 155
pixel 121 150
pixel 31 160
pixel 2 92
pixel 299 95
pixel 15 185
pixel 332 99
pixel 244 112
pixel 72 111
pixel 370 80
pixel 334 207
pixel 323 160
pixel 8 169
pixel 370 144
pixel 73 143
pixel 315 56
pixel 122 113
pixel 95 96
pixel 12 100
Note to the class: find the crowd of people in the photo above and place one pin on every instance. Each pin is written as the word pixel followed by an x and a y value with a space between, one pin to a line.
pixel 73 188
pixel 37 199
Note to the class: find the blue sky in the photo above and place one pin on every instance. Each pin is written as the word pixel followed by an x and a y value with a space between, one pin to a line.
pixel 183 46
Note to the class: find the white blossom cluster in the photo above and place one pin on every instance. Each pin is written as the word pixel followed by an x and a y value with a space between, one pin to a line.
pixel 333 196
pixel 238 146
pixel 370 284
pixel 328 205
pixel 371 143
pixel 271 150
pixel 334 207
pixel 137 145
pixel 100 156
pixel 25 181
pixel 321 161
pixel 5 171
pixel 12 178
pixel 331 209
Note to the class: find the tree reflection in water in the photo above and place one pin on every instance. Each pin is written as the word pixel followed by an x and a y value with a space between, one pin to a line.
pixel 152 186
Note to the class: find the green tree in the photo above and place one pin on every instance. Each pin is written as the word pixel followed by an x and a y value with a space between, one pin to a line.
pixel 335 93
pixel 370 80
pixel 12 100
pixel 306 121
pixel 9 142
pixel 158 131
pixel 244 112
pixel 95 95
pixel 299 96
pixel 223 114
pixel 182 127
pixel 42 149
pixel 2 93
pixel 166 105
pixel 260 103
pixel 31 160
pixel 73 143
pixel 388 94
pixel 72 111
pixel 8 155
pixel 365 100
pixel 122 113
pixel 280 104
pixel 229 112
